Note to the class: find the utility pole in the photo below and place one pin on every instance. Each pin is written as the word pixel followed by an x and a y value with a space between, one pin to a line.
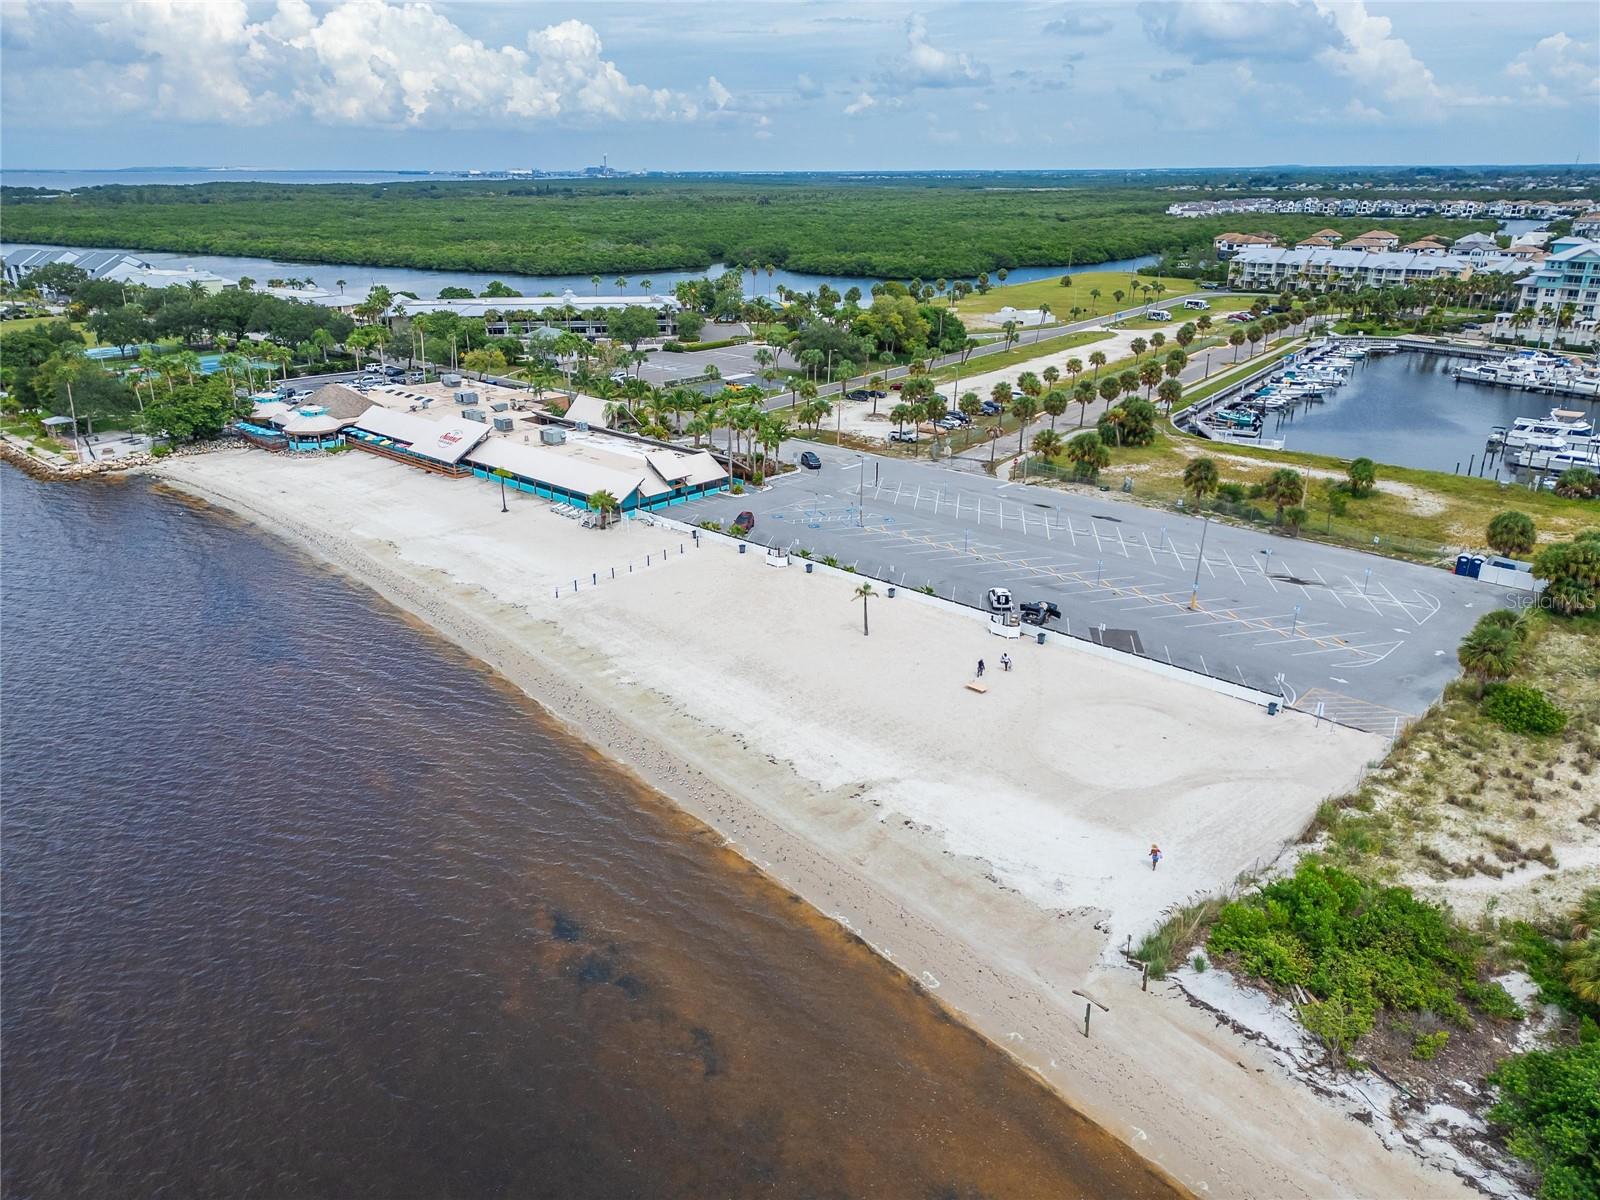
pixel 1199 558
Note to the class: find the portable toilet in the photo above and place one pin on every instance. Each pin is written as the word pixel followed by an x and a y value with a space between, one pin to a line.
pixel 1477 564
pixel 1464 564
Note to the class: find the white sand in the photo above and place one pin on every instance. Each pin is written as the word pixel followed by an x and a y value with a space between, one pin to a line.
pixel 991 846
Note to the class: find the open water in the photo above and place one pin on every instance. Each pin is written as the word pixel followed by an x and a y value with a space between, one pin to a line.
pixel 299 901
pixel 359 280
pixel 1407 409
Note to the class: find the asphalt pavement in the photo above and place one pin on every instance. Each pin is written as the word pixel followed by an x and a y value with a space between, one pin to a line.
pixel 1363 639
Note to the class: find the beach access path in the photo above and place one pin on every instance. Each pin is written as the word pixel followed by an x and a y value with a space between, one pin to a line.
pixel 989 845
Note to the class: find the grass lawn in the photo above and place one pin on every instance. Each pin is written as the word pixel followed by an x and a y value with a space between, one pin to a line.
pixel 29 322
pixel 1062 299
pixel 1220 306
pixel 1017 354
pixel 1416 514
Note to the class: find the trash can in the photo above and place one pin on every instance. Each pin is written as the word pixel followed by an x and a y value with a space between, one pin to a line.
pixel 809 565
pixel 1040 636
pixel 742 547
pixel 891 591
pixel 1272 708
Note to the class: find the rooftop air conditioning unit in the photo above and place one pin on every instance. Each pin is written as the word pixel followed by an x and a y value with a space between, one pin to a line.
pixel 500 406
pixel 475 414
pixel 450 380
pixel 551 435
pixel 503 424
pixel 465 397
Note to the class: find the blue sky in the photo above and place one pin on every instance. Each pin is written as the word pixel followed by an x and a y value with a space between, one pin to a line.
pixel 684 85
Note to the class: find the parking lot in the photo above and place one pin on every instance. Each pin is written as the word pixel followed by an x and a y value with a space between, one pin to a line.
pixel 1365 640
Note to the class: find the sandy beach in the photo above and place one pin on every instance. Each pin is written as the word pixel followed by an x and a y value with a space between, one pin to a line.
pixel 989 845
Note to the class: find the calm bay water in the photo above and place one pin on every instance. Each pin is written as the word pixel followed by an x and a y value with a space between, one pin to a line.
pixel 1407 409
pixel 358 280
pixel 300 901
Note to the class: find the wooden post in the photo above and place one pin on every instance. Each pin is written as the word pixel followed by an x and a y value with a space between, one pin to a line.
pixel 1144 980
pixel 1087 1009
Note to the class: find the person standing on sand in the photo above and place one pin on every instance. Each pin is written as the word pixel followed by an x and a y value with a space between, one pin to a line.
pixel 980 668
pixel 1155 855
pixel 1005 662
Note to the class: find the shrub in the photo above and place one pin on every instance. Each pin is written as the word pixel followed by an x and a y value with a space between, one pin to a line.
pixel 829 560
pixel 1233 493
pixel 159 451
pixel 737 531
pixel 737 489
pixel 1548 1101
pixel 1524 710
pixel 1427 1045
pixel 1355 947
pixel 1199 963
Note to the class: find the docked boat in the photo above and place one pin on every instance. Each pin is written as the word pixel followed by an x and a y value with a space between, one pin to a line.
pixel 1560 431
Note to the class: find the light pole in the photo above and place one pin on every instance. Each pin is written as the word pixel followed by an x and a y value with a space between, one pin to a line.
pixel 1200 557
pixel 1294 621
pixel 861 491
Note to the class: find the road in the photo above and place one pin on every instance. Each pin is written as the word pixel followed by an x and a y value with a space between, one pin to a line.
pixel 1371 640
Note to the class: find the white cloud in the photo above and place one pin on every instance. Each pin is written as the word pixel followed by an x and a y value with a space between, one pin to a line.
pixel 367 63
pixel 1381 64
pixel 1212 30
pixel 1558 70
pixel 806 87
pixel 719 94
pixel 860 104
pixel 924 65
pixel 1075 22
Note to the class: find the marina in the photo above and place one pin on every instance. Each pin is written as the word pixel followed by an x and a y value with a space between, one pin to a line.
pixel 1401 402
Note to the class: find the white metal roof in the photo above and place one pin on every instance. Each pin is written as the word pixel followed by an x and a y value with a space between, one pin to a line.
pixel 591 410
pixel 444 441
pixel 533 304
pixel 561 468
pixel 685 467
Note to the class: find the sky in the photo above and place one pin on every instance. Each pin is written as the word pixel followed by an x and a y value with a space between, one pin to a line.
pixel 773 85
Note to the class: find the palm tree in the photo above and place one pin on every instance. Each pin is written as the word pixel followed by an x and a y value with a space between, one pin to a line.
pixel 1512 533
pixel 900 414
pixel 1285 488
pixel 1363 476
pixel 1097 359
pixel 1488 652
pixel 1200 478
pixel 1088 454
pixel 1046 444
pixel 1169 393
pixel 605 503
pixel 1149 375
pixel 1138 346
pixel 1054 404
pixel 1026 408
pixel 621 283
pixel 864 593
pixel 1083 393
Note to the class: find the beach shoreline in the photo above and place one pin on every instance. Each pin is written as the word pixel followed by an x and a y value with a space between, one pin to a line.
pixel 1156 1072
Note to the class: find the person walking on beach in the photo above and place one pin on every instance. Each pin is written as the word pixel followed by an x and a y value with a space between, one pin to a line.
pixel 1155 855
pixel 980 668
pixel 1005 662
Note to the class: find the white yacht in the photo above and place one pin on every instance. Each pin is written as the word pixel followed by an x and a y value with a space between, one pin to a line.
pixel 1556 433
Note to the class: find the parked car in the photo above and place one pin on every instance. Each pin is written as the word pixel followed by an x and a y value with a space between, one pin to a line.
pixel 1158 314
pixel 1037 612
pixel 878 394
pixel 990 409
pixel 896 386
pixel 902 435
pixel 858 394
pixel 959 417
pixel 747 519
pixel 948 423
pixel 999 599
pixel 810 461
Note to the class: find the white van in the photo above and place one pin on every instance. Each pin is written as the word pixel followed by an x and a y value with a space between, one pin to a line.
pixel 1196 303
pixel 1158 314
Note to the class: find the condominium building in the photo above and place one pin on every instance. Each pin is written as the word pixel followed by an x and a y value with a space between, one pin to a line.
pixel 1569 274
pixel 1269 270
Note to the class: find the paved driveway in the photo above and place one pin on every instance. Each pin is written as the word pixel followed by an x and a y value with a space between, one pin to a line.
pixel 1370 639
